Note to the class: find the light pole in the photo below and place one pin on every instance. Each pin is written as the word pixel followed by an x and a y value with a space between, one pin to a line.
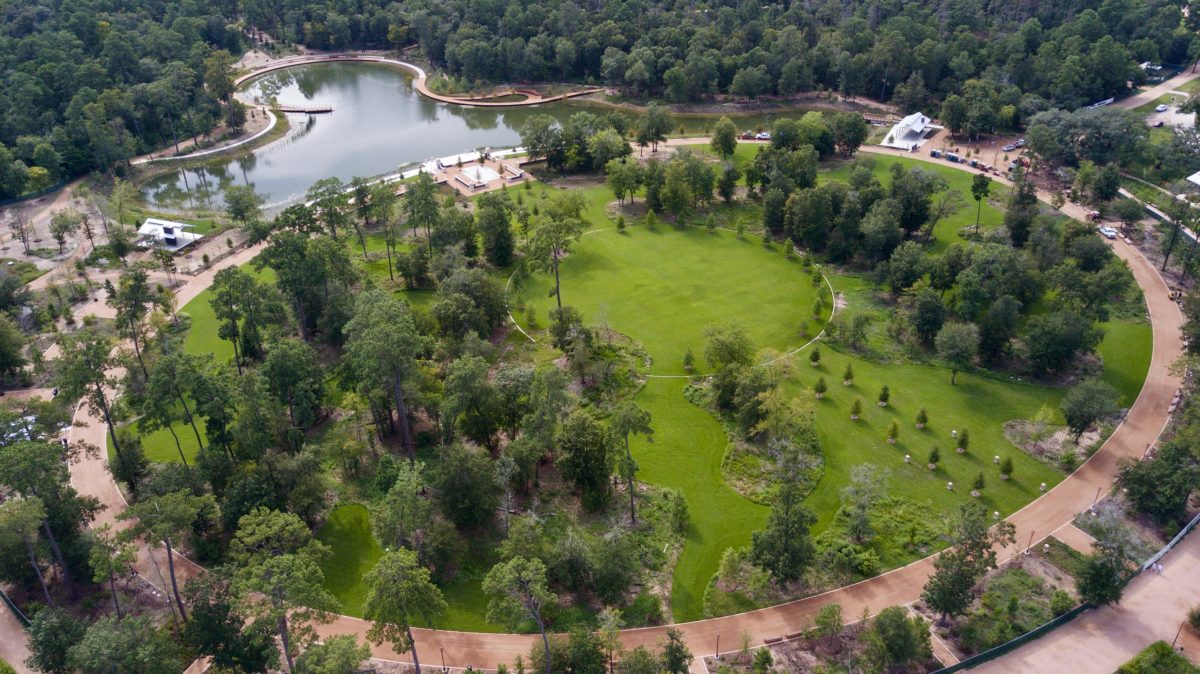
pixel 717 655
pixel 444 667
pixel 1029 547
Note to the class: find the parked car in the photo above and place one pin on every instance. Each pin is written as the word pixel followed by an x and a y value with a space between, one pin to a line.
pixel 1108 232
pixel 1162 107
pixel 935 153
pixel 1009 148
pixel 746 135
pixel 763 136
pixel 1021 143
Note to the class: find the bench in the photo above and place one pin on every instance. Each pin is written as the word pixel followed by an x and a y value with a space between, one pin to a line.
pixel 470 185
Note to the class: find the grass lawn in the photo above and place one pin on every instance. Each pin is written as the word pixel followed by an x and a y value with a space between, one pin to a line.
pixel 686 455
pixel 1168 99
pixel 664 287
pixel 347 531
pixel 1192 87
pixel 978 403
pixel 1126 350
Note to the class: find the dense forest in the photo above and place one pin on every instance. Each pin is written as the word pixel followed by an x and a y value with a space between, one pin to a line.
pixel 90 84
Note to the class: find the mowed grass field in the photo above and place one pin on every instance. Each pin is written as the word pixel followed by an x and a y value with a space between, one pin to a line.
pixel 664 287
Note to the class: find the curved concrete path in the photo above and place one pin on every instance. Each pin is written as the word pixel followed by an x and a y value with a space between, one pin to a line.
pixel 153 158
pixel 420 79
pixel 1141 427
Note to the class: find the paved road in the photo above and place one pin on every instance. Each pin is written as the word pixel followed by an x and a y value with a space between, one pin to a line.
pixel 13 641
pixel 1153 93
pixel 901 586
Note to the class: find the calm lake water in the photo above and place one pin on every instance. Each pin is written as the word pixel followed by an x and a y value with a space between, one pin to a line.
pixel 379 125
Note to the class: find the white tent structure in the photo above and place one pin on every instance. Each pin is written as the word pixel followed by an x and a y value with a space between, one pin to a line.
pixel 909 133
pixel 166 234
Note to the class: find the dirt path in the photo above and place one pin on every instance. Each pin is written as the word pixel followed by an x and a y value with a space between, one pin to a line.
pixel 1145 420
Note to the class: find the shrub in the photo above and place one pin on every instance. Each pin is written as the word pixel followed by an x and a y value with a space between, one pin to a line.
pixel 893 432
pixel 820 387
pixel 1061 602
pixel 814 358
pixel 1193 618
pixel 848 375
pixel 922 418
pixel 979 484
pixel 935 457
pixel 855 409
pixel 1006 468
pixel 964 440
pixel 884 395
pixel 689 360
pixel 621 223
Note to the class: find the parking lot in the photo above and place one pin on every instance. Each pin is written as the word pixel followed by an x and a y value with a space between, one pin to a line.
pixel 1171 116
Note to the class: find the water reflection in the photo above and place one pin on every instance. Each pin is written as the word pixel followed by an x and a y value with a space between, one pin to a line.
pixel 379 124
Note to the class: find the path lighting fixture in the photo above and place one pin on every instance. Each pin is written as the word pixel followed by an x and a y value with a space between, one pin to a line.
pixel 1042 487
pixel 907 458
pixel 949 486
pixel 995 514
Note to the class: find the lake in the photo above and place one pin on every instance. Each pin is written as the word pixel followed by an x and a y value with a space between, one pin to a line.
pixel 379 125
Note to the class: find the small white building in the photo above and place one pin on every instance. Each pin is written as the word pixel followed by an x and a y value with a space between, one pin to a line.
pixel 909 133
pixel 166 234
